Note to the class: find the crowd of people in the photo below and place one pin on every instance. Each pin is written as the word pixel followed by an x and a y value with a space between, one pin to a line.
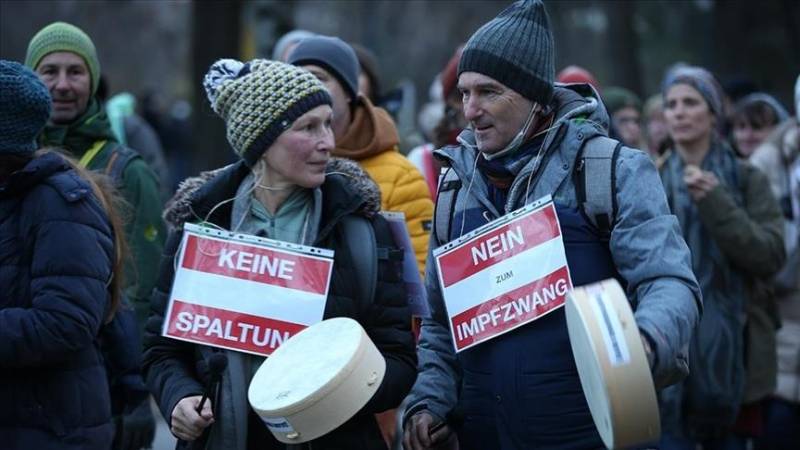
pixel 700 225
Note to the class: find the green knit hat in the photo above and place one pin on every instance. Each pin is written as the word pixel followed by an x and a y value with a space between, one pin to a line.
pixel 260 100
pixel 64 37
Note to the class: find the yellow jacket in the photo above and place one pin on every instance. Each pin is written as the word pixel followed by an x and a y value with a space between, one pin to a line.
pixel 372 140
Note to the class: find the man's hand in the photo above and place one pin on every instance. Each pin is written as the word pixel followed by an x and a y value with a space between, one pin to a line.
pixel 186 423
pixel 423 431
pixel 699 182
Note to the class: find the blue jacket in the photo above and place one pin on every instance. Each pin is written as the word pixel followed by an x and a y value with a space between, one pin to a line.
pixel 645 250
pixel 56 253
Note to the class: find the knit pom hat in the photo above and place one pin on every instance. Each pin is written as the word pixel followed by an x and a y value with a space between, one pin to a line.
pixel 260 100
pixel 516 49
pixel 332 54
pixel 64 37
pixel 24 108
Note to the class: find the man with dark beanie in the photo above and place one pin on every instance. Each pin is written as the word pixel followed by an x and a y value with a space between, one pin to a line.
pixel 520 389
pixel 367 135
pixel 65 59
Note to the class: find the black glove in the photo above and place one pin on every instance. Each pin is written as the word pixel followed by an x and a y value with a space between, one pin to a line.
pixel 135 429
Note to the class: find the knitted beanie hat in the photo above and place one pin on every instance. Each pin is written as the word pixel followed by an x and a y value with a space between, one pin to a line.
pixel 577 74
pixel 449 75
pixel 617 98
pixel 700 79
pixel 260 100
pixel 64 37
pixel 516 49
pixel 24 108
pixel 332 54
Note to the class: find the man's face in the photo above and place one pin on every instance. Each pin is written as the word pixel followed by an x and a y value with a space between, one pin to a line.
pixel 341 101
pixel 627 122
pixel 66 76
pixel 496 112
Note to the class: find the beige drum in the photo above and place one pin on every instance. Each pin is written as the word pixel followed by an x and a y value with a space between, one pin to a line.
pixel 612 365
pixel 317 380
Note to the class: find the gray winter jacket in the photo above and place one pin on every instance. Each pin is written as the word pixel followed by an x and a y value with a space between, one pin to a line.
pixel 646 246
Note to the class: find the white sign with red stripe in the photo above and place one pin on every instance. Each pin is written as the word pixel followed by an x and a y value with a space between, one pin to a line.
pixel 504 275
pixel 243 292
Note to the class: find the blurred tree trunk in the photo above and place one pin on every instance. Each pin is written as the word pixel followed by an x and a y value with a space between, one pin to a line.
pixel 624 45
pixel 215 35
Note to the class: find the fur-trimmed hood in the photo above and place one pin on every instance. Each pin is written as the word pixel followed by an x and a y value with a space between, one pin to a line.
pixel 188 202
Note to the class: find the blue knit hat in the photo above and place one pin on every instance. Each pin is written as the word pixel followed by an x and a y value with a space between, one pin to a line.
pixel 24 108
pixel 516 49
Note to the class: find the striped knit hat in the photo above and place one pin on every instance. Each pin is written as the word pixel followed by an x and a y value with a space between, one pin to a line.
pixel 64 37
pixel 516 49
pixel 260 100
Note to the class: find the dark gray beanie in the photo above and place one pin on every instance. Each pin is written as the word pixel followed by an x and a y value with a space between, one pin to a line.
pixel 516 49
pixel 332 54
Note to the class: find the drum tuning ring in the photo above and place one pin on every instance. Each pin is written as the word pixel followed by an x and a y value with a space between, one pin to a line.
pixel 372 379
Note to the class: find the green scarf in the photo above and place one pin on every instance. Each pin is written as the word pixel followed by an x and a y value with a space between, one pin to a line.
pixel 81 134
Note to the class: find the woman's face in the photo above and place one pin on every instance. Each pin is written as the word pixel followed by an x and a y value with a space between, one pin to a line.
pixel 300 154
pixel 689 119
pixel 747 137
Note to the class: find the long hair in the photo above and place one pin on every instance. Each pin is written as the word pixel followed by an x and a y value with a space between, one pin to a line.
pixel 113 204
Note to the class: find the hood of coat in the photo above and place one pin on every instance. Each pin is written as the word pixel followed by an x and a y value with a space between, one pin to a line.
pixel 371 131
pixel 346 187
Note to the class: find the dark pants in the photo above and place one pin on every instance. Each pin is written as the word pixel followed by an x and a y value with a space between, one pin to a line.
pixel 781 426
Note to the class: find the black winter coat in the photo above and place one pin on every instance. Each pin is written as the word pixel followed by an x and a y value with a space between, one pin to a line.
pixel 176 369
pixel 56 253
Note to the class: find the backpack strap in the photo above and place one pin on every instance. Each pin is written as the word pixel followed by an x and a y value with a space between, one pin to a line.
pixel 595 187
pixel 359 237
pixel 121 156
pixel 449 185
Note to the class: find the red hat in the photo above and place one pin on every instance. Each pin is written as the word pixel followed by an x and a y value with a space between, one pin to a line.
pixel 577 74
pixel 449 75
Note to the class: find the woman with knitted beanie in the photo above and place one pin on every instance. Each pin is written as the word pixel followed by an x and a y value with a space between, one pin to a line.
pixel 60 265
pixel 285 187
pixel 733 226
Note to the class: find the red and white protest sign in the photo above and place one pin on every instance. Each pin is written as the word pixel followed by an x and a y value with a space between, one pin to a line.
pixel 504 275
pixel 243 292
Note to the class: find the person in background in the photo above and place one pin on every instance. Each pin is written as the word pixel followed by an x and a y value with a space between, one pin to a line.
pixel 369 83
pixel 656 128
pixel 779 158
pixel 625 110
pixel 65 59
pixel 132 130
pixel 523 143
pixel 753 119
pixel 60 271
pixel 367 135
pixel 733 226
pixel 288 42
pixel 447 129
pixel 284 187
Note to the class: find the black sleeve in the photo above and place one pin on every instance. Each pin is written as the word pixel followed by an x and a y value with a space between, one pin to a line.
pixel 169 364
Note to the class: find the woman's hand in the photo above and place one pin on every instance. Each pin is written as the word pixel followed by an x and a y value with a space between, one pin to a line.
pixel 187 424
pixel 699 182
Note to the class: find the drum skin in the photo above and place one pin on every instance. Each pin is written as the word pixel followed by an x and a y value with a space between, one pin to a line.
pixel 317 380
pixel 612 365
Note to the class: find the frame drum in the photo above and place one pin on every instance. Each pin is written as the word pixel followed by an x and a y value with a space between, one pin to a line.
pixel 317 380
pixel 612 365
